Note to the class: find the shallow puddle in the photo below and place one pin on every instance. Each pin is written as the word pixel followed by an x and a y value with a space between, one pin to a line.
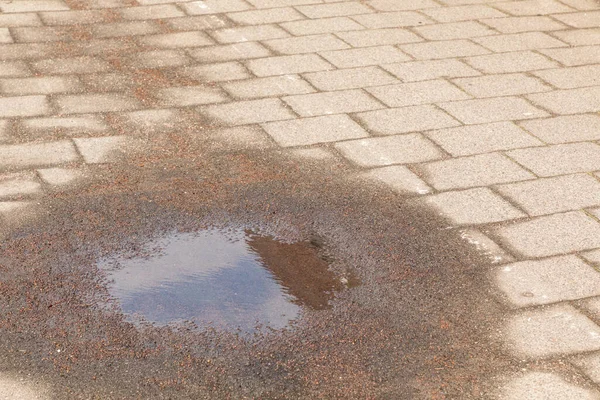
pixel 231 279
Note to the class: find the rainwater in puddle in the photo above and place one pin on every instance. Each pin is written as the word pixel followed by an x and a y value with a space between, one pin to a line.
pixel 235 280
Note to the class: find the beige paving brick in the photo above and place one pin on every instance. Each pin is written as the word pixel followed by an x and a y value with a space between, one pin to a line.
pixel 214 6
pixel 565 129
pixel 394 5
pixel 5 36
pixel 501 85
pixel 190 95
pixel 307 131
pixel 73 17
pixel 176 40
pixel 480 111
pixel 238 51
pixel 268 87
pixel 98 150
pixel 406 119
pixel 38 154
pixel 380 151
pixel 570 78
pixel 38 34
pixel 552 195
pixel 280 3
pixel 434 69
pixel 590 19
pixel 511 62
pixel 396 19
pixel 572 101
pixel 415 93
pixel 552 331
pixel 478 170
pixel 552 234
pixel 216 72
pixel 350 78
pixel 92 102
pixel 379 37
pixel 24 19
pixel 32 6
pixel 25 51
pixel 455 30
pixel 268 16
pixel 240 138
pixel 475 139
pixel 196 23
pixel 248 112
pixel 485 246
pixel 151 12
pixel 345 101
pixel 582 4
pixel 249 33
pixel 288 65
pixel 40 85
pixel 443 49
pixel 590 365
pixel 398 178
pixel 119 29
pixel 463 13
pixel 519 41
pixel 524 24
pixel 151 121
pixel 16 185
pixel 364 56
pixel 334 9
pixel 559 159
pixel 306 44
pixel 319 26
pixel 474 206
pixel 532 7
pixel 579 37
pixel 158 59
pixel 77 65
pixel 23 106
pixel 11 69
pixel 81 124
pixel 60 177
pixel 575 55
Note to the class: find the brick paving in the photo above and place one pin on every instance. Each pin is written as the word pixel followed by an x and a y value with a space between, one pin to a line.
pixel 486 112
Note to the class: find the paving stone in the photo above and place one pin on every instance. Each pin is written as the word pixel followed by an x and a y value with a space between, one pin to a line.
pixel 455 30
pixel 152 121
pixel 313 154
pixel 570 78
pixel 74 17
pixel 590 365
pixel 559 159
pixel 238 51
pixel 274 86
pixel 592 305
pixel 37 154
pixel 463 13
pixel 406 119
pixel 415 93
pixel 350 78
pixel 318 26
pixel 501 85
pixel 216 72
pixel 510 62
pixel 426 70
pixel 39 34
pixel 394 5
pixel 307 131
pixel 551 331
pixel 519 41
pixel 10 69
pixel 334 9
pixel 346 101
pixel 380 151
pixel 190 95
pixel 478 170
pixel 26 6
pixel 23 106
pixel 15 185
pixel 542 386
pixel 524 24
pixel 378 37
pixel 76 65
pixel 5 36
pixel 552 234
pixel 532 7
pixel 475 139
pixel 270 16
pixel 237 138
pixel 248 112
pixel 571 101
pixel 4 125
pixel 443 49
pixel 480 111
pixel 24 19
pixel 363 57
pixel 197 23
pixel 25 51
pixel 40 85
pixel 177 40
pixel 98 150
pixel 81 124
pixel 573 56
pixel 158 59
pixel 214 6
pixel 565 129
pixel 60 177
pixel 397 19
pixel 306 44
pixel 249 33
pixel 280 3
pixel 579 37
pixel 589 19
pixel 582 4
pixel 470 207
pixel 288 65
pixel 398 178
pixel 151 12
pixel 486 246
pixel 95 102
pixel 119 29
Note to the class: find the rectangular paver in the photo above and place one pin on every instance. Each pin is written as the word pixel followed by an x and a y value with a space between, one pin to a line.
pixel 379 37
pixel 570 78
pixel 23 106
pixel 559 159
pixel 248 112
pixel 490 110
pixel 38 154
pixel 363 57
pixel 406 119
pixel 95 102
pixel 565 129
pixel 519 61
pixel 443 49
pixel 344 101
pixel 572 101
pixel 350 78
pixel 274 86
pixel 501 85
pixel 432 69
pixel 415 93
pixel 294 64
pixel 306 44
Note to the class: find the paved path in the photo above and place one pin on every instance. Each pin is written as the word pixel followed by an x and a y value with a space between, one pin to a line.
pixel 485 111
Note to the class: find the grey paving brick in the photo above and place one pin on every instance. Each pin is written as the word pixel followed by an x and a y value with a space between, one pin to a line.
pixel 559 159
pixel 455 30
pixel 280 3
pixel 151 12
pixel 40 34
pixel 158 59
pixel 463 13
pixel 345 101
pixel 575 55
pixel 475 139
pixel 74 17
pixel 570 78
pixel 274 86
pixel 237 51
pixel 37 154
pixel 23 106
pixel 552 234
pixel 80 124
pixel 532 7
pixel 511 62
pixel 11 69
pixel 579 37
pixel 480 111
pixel 249 33
pixel 396 19
pixel 572 101
pixel 552 331
pixel 434 69
pixel 288 65
pixel 470 207
pixel 214 6
pixel 443 49
pixel 406 119
pixel 524 24
pixel 76 65
pixel 552 195
pixel 519 41
pixel 501 85
pixel 334 9
pixel 381 151
pixel 307 131
pixel 21 19
pixel 196 23
pixel 362 57
pixel 268 16
pixel 415 93
pixel 40 85
pixel 544 385
pixel 306 44
pixel 398 178
pixel 248 112
pixel 478 170
pixel 319 26
pixel 350 78
pixel 92 102
pixel 27 6
pixel 394 5
pixel 216 72
pixel 190 95
pixel 589 19
pixel 176 40
pixel 378 37
pixel 565 129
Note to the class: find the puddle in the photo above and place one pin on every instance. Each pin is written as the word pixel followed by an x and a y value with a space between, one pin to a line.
pixel 231 279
